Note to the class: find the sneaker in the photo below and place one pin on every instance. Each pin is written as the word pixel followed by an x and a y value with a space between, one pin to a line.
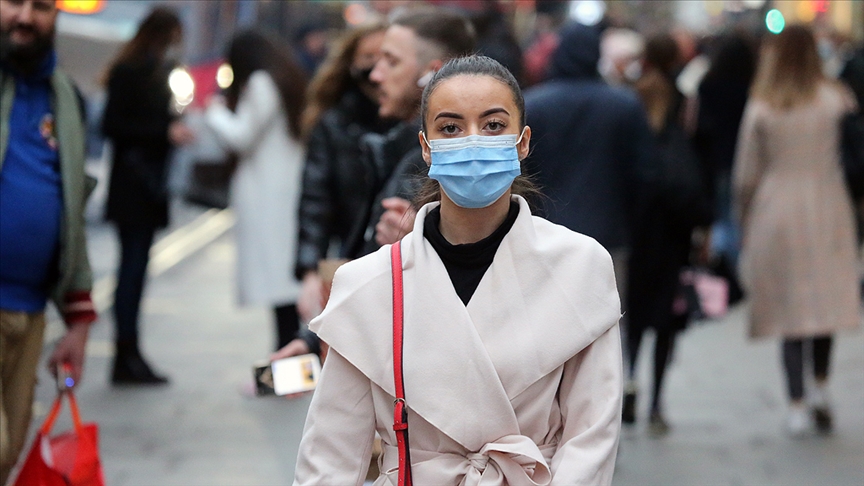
pixel 628 411
pixel 798 422
pixel 657 425
pixel 821 410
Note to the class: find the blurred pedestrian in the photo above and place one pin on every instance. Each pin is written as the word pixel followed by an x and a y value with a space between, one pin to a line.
pixel 143 126
pixel 799 260
pixel 260 122
pixel 722 95
pixel 670 205
pixel 495 37
pixel 500 387
pixel 592 145
pixel 343 106
pixel 311 46
pixel 43 190
pixel 621 52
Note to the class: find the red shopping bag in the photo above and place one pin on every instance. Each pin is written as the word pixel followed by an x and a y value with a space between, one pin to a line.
pixel 68 459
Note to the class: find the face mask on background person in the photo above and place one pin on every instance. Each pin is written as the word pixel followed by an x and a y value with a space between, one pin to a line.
pixel 476 170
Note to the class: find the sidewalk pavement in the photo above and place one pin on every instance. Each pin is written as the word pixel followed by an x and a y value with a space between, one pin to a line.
pixel 724 399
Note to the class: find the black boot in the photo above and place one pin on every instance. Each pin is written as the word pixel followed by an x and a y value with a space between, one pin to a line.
pixel 131 369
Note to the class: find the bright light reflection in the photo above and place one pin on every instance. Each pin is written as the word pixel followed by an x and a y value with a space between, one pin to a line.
pixel 224 76
pixel 587 12
pixel 182 86
pixel 774 21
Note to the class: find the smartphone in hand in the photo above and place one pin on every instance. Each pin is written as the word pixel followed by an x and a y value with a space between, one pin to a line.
pixel 287 376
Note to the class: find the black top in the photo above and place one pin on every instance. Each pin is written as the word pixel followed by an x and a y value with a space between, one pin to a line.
pixel 466 264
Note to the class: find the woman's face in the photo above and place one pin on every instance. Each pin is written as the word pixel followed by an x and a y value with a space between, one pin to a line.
pixel 473 105
pixel 365 56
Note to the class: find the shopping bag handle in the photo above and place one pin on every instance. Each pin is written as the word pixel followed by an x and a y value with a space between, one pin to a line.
pixel 55 411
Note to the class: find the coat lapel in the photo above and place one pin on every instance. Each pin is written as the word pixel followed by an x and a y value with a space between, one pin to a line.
pixel 541 302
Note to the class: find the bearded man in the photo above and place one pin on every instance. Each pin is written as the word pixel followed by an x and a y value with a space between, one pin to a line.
pixel 43 189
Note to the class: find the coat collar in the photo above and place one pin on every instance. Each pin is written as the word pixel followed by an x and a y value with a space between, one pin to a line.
pixel 544 298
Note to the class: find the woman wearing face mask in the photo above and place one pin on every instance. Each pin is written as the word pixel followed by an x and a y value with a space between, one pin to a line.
pixel 510 349
pixel 143 128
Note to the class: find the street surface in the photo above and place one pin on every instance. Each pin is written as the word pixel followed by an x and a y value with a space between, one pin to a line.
pixel 724 397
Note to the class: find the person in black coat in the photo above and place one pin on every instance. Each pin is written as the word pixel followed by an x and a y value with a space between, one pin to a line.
pixel 722 95
pixel 143 128
pixel 670 204
pixel 342 109
pixel 592 142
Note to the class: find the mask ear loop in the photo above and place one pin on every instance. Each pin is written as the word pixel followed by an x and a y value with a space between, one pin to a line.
pixel 520 135
pixel 423 134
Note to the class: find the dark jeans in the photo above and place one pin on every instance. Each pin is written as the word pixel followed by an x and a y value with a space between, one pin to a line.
pixel 135 244
pixel 793 361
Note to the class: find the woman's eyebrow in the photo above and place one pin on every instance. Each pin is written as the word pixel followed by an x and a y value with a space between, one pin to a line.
pixel 445 114
pixel 492 111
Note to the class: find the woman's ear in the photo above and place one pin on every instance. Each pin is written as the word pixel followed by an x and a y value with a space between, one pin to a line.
pixel 523 146
pixel 424 148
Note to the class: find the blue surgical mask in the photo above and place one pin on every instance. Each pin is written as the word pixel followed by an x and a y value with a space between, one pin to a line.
pixel 476 170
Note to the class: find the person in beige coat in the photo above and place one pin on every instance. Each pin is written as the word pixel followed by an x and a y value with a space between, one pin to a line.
pixel 512 354
pixel 799 258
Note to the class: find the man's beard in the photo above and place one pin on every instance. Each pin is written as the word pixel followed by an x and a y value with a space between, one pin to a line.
pixel 27 57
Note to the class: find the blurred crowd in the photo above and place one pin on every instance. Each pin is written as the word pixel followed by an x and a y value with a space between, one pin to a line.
pixel 692 159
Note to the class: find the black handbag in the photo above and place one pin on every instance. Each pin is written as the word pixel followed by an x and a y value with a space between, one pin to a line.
pixel 852 154
pixel 209 182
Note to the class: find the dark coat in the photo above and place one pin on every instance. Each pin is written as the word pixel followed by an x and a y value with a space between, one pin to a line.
pixel 669 206
pixel 337 184
pixel 136 119
pixel 590 143
pixel 398 165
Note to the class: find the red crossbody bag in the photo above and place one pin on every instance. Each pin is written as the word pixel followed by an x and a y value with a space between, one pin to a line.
pixel 400 410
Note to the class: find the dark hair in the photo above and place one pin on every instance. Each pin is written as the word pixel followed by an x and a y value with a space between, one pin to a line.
pixel 152 39
pixel 663 53
pixel 733 56
pixel 333 78
pixel 448 30
pixel 473 66
pixel 252 51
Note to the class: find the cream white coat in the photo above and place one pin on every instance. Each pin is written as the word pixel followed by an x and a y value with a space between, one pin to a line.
pixel 265 191
pixel 520 387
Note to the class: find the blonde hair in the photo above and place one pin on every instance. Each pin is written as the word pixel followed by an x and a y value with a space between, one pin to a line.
pixel 789 71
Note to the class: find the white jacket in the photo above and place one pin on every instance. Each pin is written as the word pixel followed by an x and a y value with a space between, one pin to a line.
pixel 265 191
pixel 520 387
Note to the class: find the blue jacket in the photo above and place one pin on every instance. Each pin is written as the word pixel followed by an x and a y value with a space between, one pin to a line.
pixel 591 143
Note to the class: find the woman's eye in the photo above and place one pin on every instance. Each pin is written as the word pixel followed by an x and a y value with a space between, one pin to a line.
pixel 495 126
pixel 449 129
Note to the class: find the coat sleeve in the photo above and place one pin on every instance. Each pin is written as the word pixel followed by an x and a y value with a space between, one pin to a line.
pixel 590 401
pixel 317 207
pixel 258 107
pixel 340 427
pixel 750 161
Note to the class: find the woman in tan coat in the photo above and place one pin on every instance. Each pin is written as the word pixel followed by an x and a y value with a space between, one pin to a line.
pixel 512 355
pixel 799 259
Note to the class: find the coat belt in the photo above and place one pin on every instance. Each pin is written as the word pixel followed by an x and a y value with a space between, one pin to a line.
pixel 513 460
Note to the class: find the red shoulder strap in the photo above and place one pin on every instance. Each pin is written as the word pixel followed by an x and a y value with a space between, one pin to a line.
pixel 400 412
